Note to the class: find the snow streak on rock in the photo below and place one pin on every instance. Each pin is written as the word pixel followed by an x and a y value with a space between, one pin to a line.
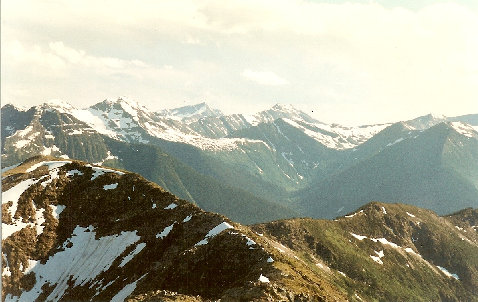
pixel 76 262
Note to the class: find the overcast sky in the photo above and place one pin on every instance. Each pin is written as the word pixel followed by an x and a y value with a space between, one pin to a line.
pixel 351 62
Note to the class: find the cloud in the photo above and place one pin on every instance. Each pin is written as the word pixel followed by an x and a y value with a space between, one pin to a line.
pixel 267 78
pixel 381 62
pixel 35 74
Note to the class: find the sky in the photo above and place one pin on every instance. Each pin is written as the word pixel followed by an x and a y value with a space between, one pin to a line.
pixel 349 62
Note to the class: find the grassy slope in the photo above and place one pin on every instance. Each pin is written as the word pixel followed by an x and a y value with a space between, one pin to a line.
pixel 330 244
pixel 206 192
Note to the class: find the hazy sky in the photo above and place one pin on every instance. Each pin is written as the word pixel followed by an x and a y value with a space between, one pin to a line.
pixel 348 61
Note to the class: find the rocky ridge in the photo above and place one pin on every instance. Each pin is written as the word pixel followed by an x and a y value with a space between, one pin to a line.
pixel 77 232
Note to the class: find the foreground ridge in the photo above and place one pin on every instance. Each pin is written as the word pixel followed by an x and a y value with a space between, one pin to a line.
pixel 75 231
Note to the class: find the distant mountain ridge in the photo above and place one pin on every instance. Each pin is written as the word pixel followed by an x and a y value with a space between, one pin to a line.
pixel 280 156
pixel 434 168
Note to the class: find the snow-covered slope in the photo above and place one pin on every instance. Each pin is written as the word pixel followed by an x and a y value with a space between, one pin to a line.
pixel 129 121
pixel 425 122
pixel 337 136
pixel 465 129
pixel 332 136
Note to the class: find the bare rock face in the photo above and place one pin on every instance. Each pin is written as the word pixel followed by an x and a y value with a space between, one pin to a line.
pixel 76 232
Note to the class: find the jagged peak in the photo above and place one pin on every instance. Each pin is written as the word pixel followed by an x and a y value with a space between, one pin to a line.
pixel 284 107
pixel 280 110
pixel 58 104
pixel 16 107
pixel 435 116
pixel 425 121
pixel 129 105
pixel 120 101
pixel 430 116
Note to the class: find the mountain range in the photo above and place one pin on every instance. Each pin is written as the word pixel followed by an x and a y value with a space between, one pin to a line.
pixel 275 164
pixel 75 231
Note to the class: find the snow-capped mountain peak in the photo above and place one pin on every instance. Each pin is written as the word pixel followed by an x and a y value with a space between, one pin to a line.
pixel 60 105
pixel 284 107
pixel 128 105
pixel 426 121
pixel 15 106
pixel 121 119
pixel 191 112
pixel 283 111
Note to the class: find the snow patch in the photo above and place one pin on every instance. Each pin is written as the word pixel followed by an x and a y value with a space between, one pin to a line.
pixel 214 231
pixel 171 206
pixel 126 291
pixel 352 215
pixel 54 174
pixel 384 242
pixel 94 120
pixel 411 215
pixel 187 218
pixel 100 171
pixel 263 279
pixel 447 273
pixel 82 262
pixel 131 255
pixel 384 211
pixel 249 242
pixel 28 136
pixel 51 165
pixel 411 251
pixel 13 195
pixel 166 231
pixel 56 210
pixel 31 264
pixel 270 260
pixel 6 272
pixel 379 257
pixel 39 220
pixel 73 172
pixel 336 136
pixel 359 237
pixel 395 142
pixel 110 186
pixel 464 129
pixel 49 150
